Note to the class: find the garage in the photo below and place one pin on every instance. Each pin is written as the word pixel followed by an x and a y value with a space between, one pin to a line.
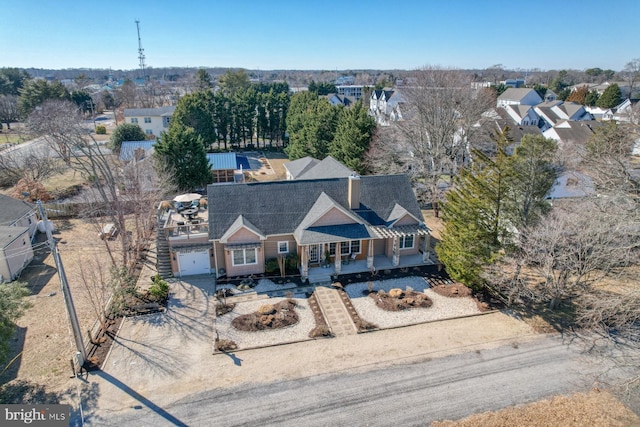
pixel 193 261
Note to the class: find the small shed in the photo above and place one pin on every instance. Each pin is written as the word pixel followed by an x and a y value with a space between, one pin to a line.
pixel 15 252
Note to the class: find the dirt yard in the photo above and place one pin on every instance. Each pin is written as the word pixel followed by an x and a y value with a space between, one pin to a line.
pixel 43 346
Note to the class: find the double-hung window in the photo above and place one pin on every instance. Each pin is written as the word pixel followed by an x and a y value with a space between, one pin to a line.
pixel 244 256
pixel 283 247
pixel 406 242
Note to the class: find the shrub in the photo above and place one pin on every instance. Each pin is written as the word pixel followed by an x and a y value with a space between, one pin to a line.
pixel 292 261
pixel 159 289
pixel 320 331
pixel 225 345
pixel 101 130
pixel 271 265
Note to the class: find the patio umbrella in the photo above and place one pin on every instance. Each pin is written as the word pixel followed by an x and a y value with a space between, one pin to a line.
pixel 186 198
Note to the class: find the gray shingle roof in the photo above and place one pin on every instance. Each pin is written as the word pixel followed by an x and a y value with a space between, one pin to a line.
pixel 156 112
pixel 297 167
pixel 12 209
pixel 327 168
pixel 279 207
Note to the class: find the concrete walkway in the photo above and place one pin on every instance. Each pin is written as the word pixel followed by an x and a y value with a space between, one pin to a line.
pixel 335 312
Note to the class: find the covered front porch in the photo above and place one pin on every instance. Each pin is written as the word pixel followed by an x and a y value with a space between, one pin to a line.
pixel 380 263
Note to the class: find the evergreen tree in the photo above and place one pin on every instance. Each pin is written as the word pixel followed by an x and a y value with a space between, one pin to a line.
pixel 180 153
pixel 472 213
pixel 195 110
pixel 203 80
pixel 311 124
pixel 35 92
pixel 532 176
pixel 125 132
pixel 592 98
pixel 493 198
pixel 12 305
pixel 353 135
pixel 611 97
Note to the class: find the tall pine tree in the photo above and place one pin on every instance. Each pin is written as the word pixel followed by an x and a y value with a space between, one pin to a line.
pixel 472 212
pixel 352 137
pixel 181 154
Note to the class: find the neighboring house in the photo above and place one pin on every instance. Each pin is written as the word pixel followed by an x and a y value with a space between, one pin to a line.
pixel 310 168
pixel 552 113
pixel 550 96
pixel 495 121
pixel 572 131
pixel 337 99
pixel 364 224
pixel 223 166
pixel 571 184
pixel 136 150
pixel 516 83
pixel 15 251
pixel 18 213
pixel 351 91
pixel 519 96
pixel 153 121
pixel 523 115
pixel 628 111
pixel 386 106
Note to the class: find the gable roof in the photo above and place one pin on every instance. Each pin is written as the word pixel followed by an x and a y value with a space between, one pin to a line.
pixel 310 168
pixel 128 148
pixel 297 167
pixel 279 207
pixel 517 94
pixel 13 209
pixel 156 112
pixel 576 131
pixel 327 168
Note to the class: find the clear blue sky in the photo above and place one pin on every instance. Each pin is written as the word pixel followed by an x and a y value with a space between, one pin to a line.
pixel 325 35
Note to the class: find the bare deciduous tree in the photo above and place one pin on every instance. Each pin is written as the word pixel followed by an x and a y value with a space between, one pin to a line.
pixel 32 163
pixel 564 256
pixel 117 191
pixel 441 111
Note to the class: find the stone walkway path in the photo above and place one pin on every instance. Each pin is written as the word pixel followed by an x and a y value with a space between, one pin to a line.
pixel 335 312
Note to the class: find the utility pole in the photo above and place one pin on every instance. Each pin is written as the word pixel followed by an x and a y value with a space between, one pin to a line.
pixel 68 301
pixel 140 52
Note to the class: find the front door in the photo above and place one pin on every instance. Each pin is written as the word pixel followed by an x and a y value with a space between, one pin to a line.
pixel 314 254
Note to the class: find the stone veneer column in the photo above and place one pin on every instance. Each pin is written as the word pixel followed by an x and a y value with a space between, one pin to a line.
pixel 370 255
pixel 396 252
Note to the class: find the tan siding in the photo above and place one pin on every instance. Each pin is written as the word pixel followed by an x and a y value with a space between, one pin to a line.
pixel 379 247
pixel 271 245
pixel 244 236
pixel 406 220
pixel 243 270
pixel 333 217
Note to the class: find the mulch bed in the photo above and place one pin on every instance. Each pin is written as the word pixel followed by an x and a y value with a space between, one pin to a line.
pixel 453 290
pixel 100 345
pixel 268 316
pixel 322 327
pixel 397 300
pixel 361 324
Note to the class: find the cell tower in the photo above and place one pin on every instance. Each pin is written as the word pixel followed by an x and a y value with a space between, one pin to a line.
pixel 140 52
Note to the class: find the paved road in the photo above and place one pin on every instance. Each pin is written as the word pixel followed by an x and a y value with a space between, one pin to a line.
pixel 415 394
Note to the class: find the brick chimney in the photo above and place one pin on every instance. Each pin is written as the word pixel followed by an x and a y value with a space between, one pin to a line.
pixel 354 191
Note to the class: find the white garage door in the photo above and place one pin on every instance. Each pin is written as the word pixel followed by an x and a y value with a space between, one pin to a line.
pixel 193 262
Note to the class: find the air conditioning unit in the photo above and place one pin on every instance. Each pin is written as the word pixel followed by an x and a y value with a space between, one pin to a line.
pixel 222 272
